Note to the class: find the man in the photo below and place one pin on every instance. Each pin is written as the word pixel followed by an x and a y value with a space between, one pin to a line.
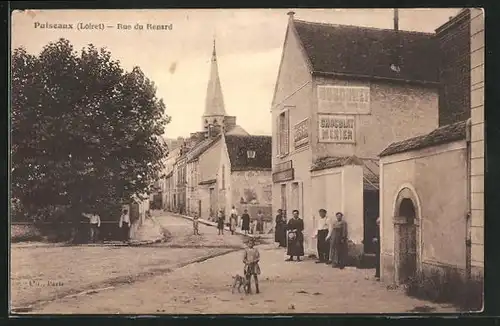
pixel 338 241
pixel 376 242
pixel 295 245
pixel 95 224
pixel 323 227
pixel 124 225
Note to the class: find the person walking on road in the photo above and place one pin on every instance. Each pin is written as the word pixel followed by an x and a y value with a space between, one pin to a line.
pixel 280 229
pixel 234 213
pixel 124 225
pixel 338 242
pixel 232 223
pixel 260 222
pixel 220 221
pixel 295 245
pixel 323 227
pixel 245 221
pixel 195 225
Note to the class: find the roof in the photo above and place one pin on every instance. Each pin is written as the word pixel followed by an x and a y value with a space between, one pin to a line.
pixel 237 147
pixel 237 130
pixel 201 147
pixel 329 162
pixel 369 52
pixel 439 136
pixel 370 168
pixel 207 182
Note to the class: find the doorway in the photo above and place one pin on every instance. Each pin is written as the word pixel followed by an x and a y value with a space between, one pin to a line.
pixel 371 212
pixel 407 238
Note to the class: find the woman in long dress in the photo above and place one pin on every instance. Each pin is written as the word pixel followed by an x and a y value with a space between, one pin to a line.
pixel 245 222
pixel 260 222
pixel 280 229
pixel 338 237
pixel 232 224
pixel 295 245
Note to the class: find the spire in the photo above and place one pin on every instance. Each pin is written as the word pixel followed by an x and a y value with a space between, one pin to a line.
pixel 214 105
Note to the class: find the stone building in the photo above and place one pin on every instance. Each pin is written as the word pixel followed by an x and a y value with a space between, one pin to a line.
pixel 432 197
pixel 343 93
pixel 244 174
pixel 423 210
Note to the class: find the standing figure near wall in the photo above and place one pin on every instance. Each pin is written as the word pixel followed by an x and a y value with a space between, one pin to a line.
pixel 338 242
pixel 280 229
pixel 323 227
pixel 295 245
pixel 234 214
pixel 376 242
pixel 220 221
pixel 260 222
pixel 245 221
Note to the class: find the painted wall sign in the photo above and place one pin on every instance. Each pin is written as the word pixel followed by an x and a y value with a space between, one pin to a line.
pixel 301 134
pixel 344 99
pixel 283 175
pixel 336 128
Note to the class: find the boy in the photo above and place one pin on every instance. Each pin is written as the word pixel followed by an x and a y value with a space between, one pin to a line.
pixel 251 258
pixel 195 225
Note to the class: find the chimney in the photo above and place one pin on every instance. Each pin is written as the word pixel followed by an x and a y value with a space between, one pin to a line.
pixel 396 19
pixel 290 15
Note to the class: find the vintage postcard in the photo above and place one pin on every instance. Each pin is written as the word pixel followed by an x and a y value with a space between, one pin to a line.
pixel 247 161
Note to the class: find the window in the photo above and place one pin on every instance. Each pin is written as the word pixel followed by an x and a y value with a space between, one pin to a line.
pixel 283 198
pixel 223 177
pixel 251 154
pixel 283 133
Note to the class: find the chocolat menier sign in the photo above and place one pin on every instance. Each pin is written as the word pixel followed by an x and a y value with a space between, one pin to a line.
pixel 336 128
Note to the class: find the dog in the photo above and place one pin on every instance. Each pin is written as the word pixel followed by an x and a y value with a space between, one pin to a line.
pixel 240 281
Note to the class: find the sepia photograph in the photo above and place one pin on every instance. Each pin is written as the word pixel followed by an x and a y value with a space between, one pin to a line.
pixel 246 161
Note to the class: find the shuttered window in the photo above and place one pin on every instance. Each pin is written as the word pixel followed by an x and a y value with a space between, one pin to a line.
pixel 284 133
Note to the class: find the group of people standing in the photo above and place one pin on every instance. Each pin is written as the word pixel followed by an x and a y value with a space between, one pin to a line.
pixel 248 226
pixel 123 224
pixel 332 237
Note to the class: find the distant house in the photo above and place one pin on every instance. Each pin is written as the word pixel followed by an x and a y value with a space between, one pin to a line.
pixel 244 174
pixel 342 94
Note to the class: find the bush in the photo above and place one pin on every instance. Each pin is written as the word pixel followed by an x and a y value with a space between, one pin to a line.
pixel 446 285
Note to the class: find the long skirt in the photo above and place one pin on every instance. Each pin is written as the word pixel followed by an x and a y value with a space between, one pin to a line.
pixel 295 246
pixel 338 253
pixel 280 235
pixel 233 224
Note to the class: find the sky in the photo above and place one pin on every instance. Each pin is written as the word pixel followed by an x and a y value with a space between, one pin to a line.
pixel 249 47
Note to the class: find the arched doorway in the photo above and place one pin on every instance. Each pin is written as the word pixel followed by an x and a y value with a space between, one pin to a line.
pixel 406 231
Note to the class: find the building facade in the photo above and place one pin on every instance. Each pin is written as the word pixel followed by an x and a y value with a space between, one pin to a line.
pixel 454 65
pixel 244 175
pixel 477 161
pixel 423 211
pixel 432 198
pixel 340 98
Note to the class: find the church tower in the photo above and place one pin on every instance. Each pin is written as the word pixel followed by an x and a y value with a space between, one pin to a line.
pixel 215 112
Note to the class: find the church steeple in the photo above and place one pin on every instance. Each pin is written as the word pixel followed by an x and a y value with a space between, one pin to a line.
pixel 214 104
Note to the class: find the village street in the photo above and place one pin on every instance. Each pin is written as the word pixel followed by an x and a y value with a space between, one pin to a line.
pixel 169 278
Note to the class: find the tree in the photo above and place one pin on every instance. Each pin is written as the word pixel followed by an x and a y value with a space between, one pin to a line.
pixel 85 133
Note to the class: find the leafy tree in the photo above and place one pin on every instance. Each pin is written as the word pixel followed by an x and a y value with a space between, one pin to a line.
pixel 85 133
